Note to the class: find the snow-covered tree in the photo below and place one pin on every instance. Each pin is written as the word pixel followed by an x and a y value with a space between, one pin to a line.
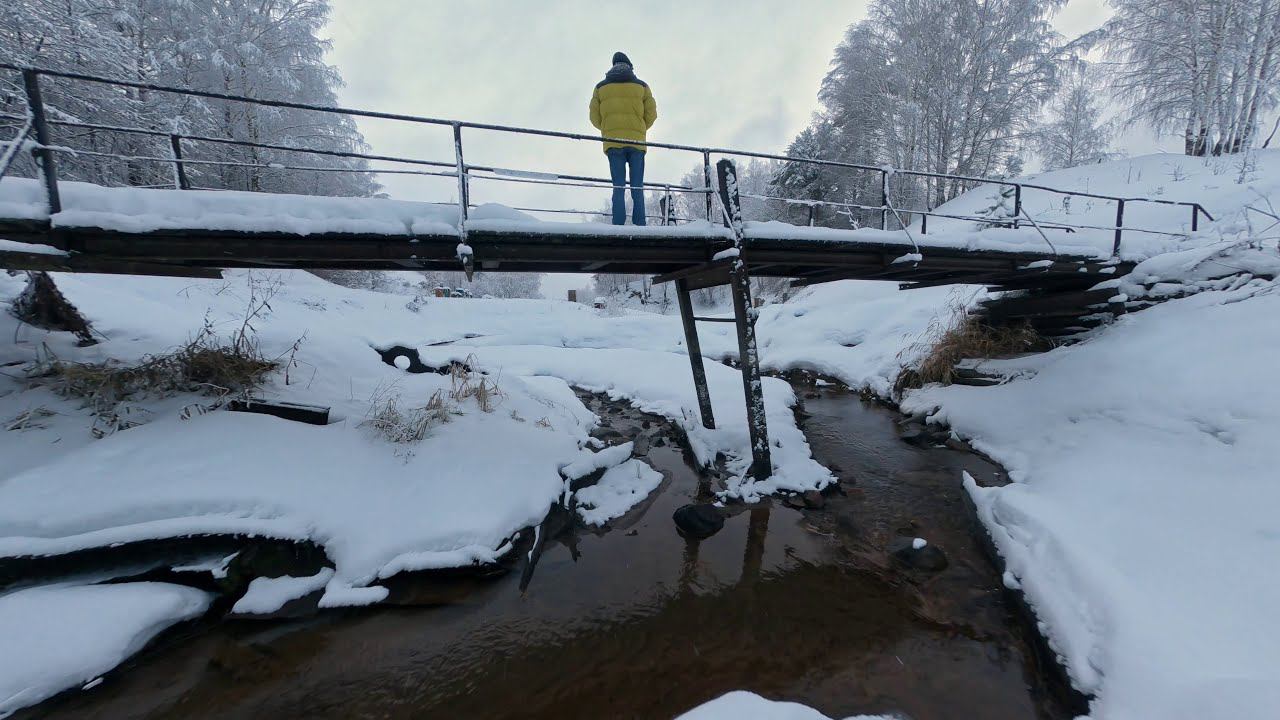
pixel 944 86
pixel 1207 69
pixel 263 48
pixel 1074 134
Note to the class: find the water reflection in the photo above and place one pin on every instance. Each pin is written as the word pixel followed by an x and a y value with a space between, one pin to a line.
pixel 640 622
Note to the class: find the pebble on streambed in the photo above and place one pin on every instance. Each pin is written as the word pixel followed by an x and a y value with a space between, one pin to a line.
pixel 917 553
pixel 698 521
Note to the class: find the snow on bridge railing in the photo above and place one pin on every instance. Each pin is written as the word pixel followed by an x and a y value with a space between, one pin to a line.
pixel 37 122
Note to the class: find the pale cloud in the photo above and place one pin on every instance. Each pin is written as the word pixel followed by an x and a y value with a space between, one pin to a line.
pixel 741 74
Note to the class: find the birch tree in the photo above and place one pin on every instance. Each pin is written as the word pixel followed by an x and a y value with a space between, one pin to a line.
pixel 1206 69
pixel 263 48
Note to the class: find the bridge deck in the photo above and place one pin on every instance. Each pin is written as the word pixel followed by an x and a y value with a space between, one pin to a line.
pixel 132 230
pixel 158 251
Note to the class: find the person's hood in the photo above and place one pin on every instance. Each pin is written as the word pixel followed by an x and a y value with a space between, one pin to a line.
pixel 621 72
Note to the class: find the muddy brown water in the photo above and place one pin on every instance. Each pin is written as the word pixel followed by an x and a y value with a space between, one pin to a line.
pixel 637 622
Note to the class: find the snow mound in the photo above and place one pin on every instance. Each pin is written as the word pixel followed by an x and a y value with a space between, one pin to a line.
pixel 743 705
pixel 621 488
pixel 59 637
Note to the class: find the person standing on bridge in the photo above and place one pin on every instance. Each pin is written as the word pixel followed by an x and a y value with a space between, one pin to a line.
pixel 623 107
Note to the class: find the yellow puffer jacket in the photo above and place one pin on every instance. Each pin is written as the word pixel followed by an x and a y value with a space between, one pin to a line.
pixel 622 106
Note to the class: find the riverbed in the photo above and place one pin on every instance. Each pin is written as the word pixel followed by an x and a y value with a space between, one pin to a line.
pixel 795 603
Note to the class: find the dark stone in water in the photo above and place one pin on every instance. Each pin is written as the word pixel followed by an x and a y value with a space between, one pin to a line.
pixel 925 438
pixel 814 500
pixel 271 560
pixel 641 446
pixel 930 557
pixel 698 521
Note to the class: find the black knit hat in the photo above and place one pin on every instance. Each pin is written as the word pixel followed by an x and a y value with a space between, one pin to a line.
pixel 621 57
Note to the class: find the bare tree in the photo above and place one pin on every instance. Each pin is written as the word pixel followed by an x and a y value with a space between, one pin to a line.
pixel 1074 134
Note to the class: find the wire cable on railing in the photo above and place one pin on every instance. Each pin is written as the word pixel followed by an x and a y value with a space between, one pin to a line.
pixel 581 212
pixel 230 163
pixel 1035 224
pixel 568 183
pixel 11 151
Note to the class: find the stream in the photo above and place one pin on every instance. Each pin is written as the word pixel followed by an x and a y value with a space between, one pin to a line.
pixel 638 622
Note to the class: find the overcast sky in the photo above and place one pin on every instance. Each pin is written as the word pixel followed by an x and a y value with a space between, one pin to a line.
pixel 740 73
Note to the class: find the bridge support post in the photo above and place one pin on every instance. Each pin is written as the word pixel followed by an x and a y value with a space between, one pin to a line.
pixel 745 320
pixel 694 347
pixel 43 155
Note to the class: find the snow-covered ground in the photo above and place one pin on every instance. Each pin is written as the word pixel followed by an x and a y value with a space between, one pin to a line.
pixel 1140 523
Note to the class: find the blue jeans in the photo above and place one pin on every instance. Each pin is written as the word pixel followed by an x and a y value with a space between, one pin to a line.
pixel 619 159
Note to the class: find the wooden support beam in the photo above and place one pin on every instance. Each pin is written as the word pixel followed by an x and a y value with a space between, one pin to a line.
pixel 691 271
pixel 694 347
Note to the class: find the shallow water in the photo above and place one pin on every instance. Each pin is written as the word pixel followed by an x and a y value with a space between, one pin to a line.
pixel 638 622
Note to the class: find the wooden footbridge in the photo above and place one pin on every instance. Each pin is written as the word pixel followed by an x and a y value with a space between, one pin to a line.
pixel 76 227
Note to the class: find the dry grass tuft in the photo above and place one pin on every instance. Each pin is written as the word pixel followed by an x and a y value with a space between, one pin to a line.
pixel 465 383
pixel 957 336
pixel 388 420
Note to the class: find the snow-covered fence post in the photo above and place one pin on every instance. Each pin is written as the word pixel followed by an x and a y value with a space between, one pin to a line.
pixel 745 320
pixel 43 153
pixel 179 168
pixel 884 199
pixel 706 181
pixel 1115 248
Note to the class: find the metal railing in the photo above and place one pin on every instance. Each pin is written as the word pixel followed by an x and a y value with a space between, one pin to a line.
pixel 37 124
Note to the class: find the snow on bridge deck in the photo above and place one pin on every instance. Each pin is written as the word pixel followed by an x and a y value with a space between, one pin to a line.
pixel 110 229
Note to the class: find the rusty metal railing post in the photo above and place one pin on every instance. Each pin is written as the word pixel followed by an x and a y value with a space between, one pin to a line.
pixel 884 199
pixel 744 319
pixel 1115 248
pixel 706 181
pixel 43 153
pixel 464 187
pixel 1195 218
pixel 1017 205
pixel 179 168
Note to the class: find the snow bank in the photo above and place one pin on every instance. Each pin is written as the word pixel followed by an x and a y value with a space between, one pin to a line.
pixel 375 506
pixel 661 383
pixel 1142 523
pixel 58 637
pixel 743 705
